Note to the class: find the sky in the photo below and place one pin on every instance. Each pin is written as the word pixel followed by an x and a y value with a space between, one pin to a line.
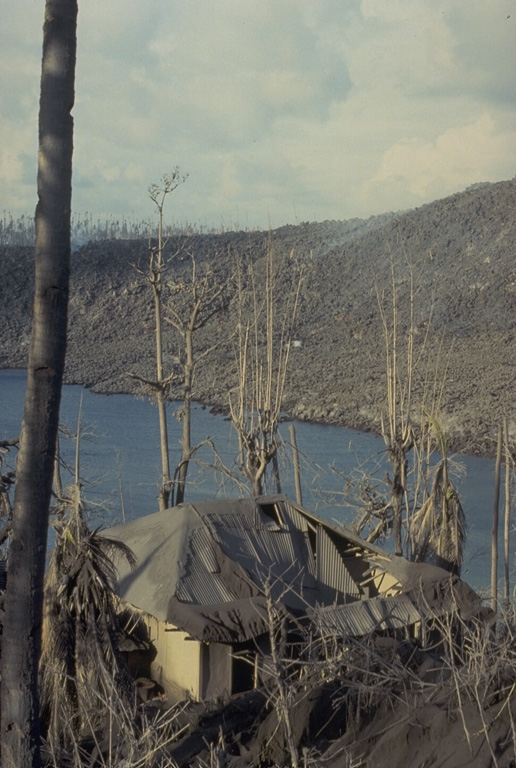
pixel 279 111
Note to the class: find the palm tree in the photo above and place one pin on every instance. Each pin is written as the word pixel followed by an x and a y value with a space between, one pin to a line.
pixel 439 526
pixel 81 666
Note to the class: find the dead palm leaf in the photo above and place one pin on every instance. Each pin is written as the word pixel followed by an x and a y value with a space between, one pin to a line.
pixel 439 526
pixel 80 656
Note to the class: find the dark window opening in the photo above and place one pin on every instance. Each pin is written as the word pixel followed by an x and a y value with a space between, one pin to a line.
pixel 273 512
pixel 243 666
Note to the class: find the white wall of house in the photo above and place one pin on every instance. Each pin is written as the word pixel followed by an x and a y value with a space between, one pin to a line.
pixel 177 666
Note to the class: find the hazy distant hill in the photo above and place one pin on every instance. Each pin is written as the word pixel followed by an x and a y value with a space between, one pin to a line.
pixel 460 252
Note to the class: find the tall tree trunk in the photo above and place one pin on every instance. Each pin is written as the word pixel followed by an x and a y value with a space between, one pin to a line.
pixel 22 625
pixel 186 438
pixel 155 277
pixel 398 456
pixel 161 402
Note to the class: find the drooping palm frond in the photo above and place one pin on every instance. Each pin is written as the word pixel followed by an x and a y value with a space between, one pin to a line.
pixel 439 526
pixel 80 662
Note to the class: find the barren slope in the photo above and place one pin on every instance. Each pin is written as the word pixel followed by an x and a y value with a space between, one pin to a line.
pixel 459 251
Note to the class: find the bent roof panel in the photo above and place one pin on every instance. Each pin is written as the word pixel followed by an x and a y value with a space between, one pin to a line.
pixel 365 616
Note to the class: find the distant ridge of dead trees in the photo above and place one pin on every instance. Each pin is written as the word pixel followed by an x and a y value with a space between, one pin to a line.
pixel 85 228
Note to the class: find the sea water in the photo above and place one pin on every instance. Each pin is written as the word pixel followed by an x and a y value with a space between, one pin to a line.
pixel 120 463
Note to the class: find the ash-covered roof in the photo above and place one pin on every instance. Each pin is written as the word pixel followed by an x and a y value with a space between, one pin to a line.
pixel 203 567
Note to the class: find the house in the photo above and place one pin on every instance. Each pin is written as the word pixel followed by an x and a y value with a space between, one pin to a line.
pixel 204 570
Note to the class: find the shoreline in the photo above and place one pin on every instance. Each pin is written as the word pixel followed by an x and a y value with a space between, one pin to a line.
pixel 455 443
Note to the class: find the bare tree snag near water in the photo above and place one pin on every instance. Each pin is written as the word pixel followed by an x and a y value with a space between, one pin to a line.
pixel 397 429
pixel 264 333
pixel 21 643
pixel 154 276
pixel 420 497
pixel 194 303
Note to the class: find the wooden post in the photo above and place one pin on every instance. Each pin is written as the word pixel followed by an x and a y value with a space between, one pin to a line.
pixel 494 531
pixel 276 472
pixel 507 518
pixel 295 459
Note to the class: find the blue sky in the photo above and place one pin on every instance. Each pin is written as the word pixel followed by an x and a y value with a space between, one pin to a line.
pixel 280 111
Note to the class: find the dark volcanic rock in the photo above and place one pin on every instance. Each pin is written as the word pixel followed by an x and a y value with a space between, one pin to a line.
pixel 457 252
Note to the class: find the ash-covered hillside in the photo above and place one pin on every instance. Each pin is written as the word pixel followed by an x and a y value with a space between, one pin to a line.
pixel 455 257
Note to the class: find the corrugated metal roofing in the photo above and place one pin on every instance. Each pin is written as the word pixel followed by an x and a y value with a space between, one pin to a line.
pixel 295 517
pixel 334 579
pixel 295 520
pixel 202 546
pixel 365 616
pixel 211 554
pixel 200 581
pixel 277 554
pixel 200 586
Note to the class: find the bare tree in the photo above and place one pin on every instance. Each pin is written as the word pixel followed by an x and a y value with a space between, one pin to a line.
pixel 154 275
pixel 194 303
pixel 7 479
pixel 415 379
pixel 21 642
pixel 397 428
pixel 264 333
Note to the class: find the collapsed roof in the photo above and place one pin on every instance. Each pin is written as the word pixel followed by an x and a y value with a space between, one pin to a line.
pixel 204 567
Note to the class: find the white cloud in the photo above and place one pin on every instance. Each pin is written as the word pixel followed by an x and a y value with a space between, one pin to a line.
pixel 457 158
pixel 290 110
